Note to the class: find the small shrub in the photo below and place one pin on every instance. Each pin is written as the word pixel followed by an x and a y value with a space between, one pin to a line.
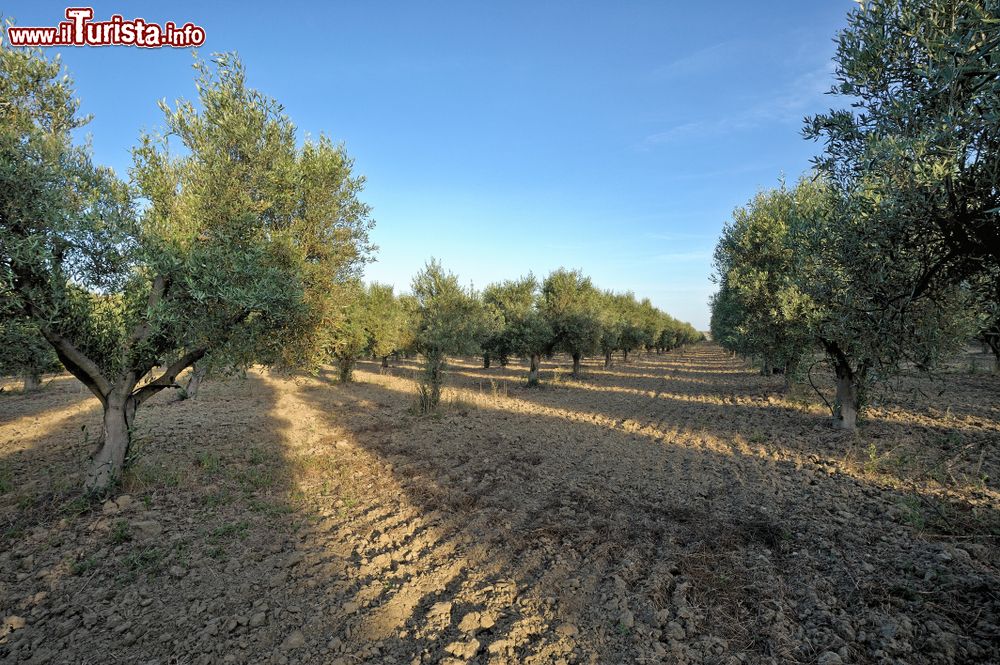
pixel 147 560
pixel 913 513
pixel 871 460
pixel 120 533
pixel 83 566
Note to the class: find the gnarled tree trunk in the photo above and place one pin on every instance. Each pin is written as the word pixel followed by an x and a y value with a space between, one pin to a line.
pixel 846 404
pixel 625 355
pixel 504 359
pixel 435 381
pixel 607 360
pixel 198 372
pixel 486 361
pixel 536 361
pixel 576 365
pixel 346 365
pixel 108 459
pixel 119 395
pixel 385 362
pixel 850 386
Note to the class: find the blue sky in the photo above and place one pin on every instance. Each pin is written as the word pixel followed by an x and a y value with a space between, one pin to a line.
pixel 509 137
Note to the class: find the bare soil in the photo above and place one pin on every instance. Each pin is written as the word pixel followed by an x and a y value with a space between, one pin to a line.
pixel 675 509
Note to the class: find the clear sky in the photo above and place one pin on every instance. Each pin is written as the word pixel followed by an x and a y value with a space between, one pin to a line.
pixel 507 137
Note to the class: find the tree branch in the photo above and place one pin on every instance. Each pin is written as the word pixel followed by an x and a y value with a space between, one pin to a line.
pixel 77 363
pixel 169 376
pixel 143 329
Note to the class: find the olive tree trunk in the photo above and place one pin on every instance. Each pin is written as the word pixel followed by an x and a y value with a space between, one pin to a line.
pixel 536 361
pixel 993 341
pixel 108 459
pixel 430 386
pixel 850 380
pixel 198 372
pixel 486 361
pixel 32 382
pixel 850 395
pixel 118 395
pixel 576 365
pixel 385 362
pixel 346 366
pixel 625 355
pixel 846 405
pixel 607 359
pixel 790 369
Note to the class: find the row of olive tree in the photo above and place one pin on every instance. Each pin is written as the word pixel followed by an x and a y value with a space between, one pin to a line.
pixel 232 243
pixel 564 313
pixel 888 253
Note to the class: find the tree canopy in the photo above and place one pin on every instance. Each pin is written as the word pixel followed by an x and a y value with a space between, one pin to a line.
pixel 883 257
pixel 228 239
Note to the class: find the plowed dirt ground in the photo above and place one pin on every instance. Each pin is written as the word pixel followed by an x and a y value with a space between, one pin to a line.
pixel 675 509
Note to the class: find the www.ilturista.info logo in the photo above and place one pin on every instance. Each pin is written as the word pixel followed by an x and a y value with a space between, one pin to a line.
pixel 80 30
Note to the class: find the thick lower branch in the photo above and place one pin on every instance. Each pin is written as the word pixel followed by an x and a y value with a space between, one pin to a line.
pixel 169 376
pixel 78 364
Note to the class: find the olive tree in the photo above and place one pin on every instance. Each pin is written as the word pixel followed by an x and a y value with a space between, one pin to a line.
pixel 532 337
pixel 755 259
pixel 512 300
pixel 987 288
pixel 990 336
pixel 448 322
pixel 923 128
pixel 491 330
pixel 822 266
pixel 633 336
pixel 872 307
pixel 386 322
pixel 570 304
pixel 523 331
pixel 612 323
pixel 648 320
pixel 240 238
pixel 913 164
pixel 349 336
pixel 623 325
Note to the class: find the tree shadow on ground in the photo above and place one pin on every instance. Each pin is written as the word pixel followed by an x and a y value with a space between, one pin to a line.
pixel 622 533
pixel 299 520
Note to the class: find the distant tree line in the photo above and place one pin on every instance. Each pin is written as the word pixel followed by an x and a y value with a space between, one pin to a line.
pixel 564 313
pixel 888 253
